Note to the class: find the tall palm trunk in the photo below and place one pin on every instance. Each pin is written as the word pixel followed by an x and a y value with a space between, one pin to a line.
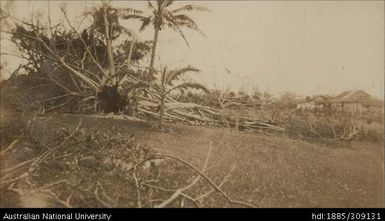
pixel 161 111
pixel 133 41
pixel 153 50
pixel 110 54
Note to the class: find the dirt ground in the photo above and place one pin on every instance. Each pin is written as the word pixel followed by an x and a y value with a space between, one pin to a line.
pixel 271 171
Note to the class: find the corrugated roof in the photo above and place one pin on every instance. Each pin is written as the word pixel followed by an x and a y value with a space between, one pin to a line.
pixel 358 96
pixel 352 96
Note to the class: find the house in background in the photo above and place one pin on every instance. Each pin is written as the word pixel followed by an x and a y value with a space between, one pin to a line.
pixel 356 102
pixel 318 102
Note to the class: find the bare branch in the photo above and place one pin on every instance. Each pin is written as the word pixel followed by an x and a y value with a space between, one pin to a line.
pixel 2 152
pixel 84 44
pixel 180 191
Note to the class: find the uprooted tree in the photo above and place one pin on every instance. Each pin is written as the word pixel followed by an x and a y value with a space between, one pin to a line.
pixel 92 68
pixel 83 66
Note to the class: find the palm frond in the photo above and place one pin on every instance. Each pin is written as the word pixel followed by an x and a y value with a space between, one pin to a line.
pixel 189 85
pixel 165 3
pixel 168 3
pixel 189 8
pixel 128 11
pixel 172 24
pixel 177 29
pixel 185 21
pixel 229 104
pixel 145 22
pixel 130 16
pixel 175 74
pixel 150 5
pixel 128 32
pixel 159 3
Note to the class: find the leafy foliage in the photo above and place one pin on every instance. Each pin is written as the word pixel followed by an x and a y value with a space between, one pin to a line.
pixel 168 84
pixel 84 51
pixel 161 17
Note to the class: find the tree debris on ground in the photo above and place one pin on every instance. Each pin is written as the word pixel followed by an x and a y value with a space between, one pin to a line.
pixel 89 168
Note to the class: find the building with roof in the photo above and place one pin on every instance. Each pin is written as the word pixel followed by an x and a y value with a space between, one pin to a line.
pixel 318 102
pixel 356 102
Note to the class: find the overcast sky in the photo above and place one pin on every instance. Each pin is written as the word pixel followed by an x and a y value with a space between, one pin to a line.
pixel 305 47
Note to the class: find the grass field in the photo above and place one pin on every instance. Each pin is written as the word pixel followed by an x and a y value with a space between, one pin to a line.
pixel 271 171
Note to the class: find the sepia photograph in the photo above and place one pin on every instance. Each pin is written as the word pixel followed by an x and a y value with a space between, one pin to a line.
pixel 191 104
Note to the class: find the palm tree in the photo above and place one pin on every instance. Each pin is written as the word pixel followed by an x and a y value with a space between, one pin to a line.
pixel 167 85
pixel 162 16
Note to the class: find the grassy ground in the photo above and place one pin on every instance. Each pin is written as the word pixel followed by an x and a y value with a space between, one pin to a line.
pixel 271 171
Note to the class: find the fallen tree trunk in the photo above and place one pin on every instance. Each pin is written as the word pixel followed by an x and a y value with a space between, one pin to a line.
pixel 266 125
pixel 178 105
pixel 194 116
pixel 186 112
